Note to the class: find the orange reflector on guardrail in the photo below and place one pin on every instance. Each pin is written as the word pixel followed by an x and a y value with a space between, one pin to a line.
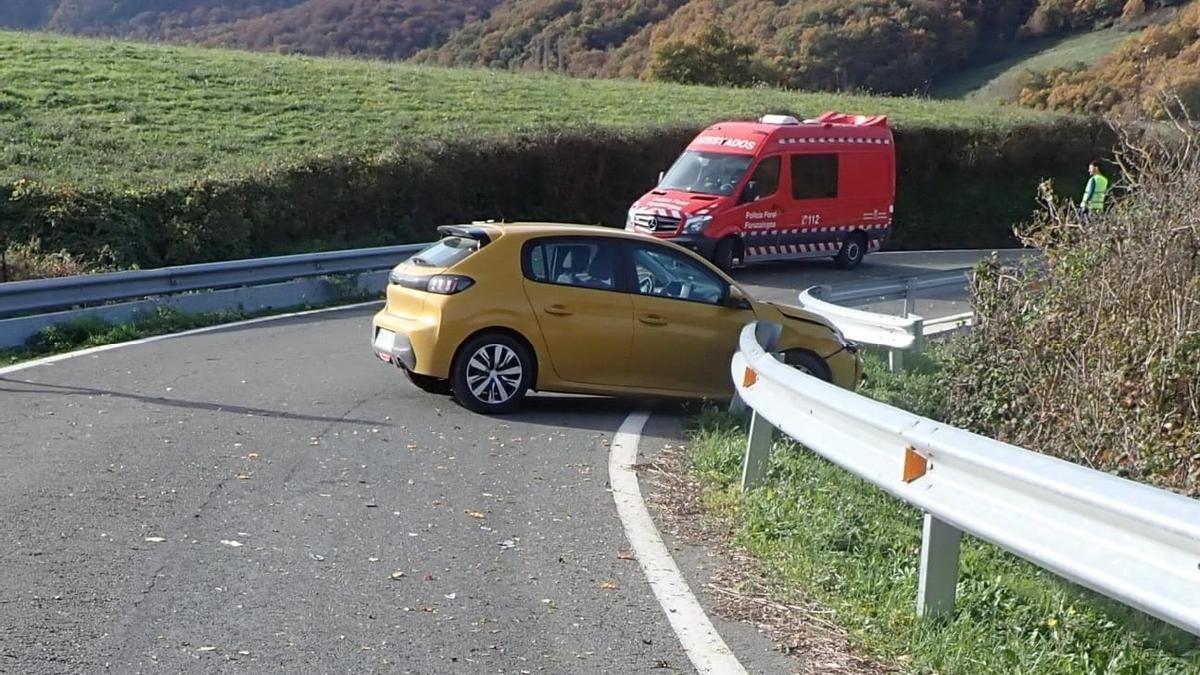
pixel 915 465
pixel 749 378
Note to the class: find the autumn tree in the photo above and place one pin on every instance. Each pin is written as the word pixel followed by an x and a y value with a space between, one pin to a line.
pixel 713 57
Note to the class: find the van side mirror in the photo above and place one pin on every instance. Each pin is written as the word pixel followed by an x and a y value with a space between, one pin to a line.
pixel 750 193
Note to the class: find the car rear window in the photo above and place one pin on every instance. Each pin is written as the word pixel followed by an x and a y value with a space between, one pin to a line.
pixel 447 252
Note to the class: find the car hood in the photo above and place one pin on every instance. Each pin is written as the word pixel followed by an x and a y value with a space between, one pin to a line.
pixel 801 314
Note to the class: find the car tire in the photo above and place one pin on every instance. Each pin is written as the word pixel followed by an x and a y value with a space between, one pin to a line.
pixel 428 384
pixel 723 255
pixel 852 252
pixel 808 363
pixel 491 374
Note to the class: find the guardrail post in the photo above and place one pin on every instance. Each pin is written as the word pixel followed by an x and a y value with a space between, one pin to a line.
pixel 939 568
pixel 738 407
pixel 918 334
pixel 909 300
pixel 758 451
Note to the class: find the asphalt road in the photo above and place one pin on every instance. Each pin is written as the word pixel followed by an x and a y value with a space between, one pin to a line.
pixel 271 498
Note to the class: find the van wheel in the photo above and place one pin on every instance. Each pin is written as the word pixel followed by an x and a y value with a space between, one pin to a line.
pixel 491 374
pixel 853 250
pixel 723 256
pixel 431 385
pixel 808 363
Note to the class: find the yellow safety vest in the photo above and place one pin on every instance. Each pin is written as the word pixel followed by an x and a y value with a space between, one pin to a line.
pixel 1094 194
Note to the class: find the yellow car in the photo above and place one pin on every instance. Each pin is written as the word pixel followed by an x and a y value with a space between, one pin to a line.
pixel 492 311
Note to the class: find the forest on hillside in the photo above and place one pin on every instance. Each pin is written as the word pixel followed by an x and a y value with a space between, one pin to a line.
pixel 881 46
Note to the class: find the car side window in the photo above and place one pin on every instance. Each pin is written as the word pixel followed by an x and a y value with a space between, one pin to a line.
pixel 587 263
pixel 664 273
pixel 764 182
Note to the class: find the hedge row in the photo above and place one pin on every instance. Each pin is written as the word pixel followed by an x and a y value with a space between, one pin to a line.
pixel 957 189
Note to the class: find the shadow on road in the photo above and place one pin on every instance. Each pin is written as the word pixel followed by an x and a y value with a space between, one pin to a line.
pixel 599 413
pixel 68 390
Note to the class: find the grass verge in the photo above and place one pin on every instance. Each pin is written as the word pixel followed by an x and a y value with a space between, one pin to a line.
pixel 824 535
pixel 86 333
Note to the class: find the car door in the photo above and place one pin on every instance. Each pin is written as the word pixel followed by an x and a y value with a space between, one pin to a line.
pixel 585 319
pixel 683 336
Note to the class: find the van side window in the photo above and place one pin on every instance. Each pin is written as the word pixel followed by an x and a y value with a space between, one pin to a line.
pixel 814 176
pixel 764 182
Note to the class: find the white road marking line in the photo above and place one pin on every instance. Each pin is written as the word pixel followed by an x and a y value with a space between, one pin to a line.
pixel 49 360
pixel 704 646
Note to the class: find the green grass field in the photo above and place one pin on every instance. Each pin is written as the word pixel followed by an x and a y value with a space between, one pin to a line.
pixel 822 534
pixel 106 114
pixel 998 81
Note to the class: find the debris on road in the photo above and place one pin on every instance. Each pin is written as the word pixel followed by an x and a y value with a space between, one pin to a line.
pixel 231 542
pixel 156 540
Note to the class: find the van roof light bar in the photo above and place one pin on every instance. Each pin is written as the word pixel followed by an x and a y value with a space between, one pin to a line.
pixel 779 119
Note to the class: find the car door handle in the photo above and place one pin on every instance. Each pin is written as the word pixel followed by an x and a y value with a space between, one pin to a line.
pixel 652 319
pixel 560 310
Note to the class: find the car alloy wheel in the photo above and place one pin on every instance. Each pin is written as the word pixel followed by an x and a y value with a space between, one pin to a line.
pixel 494 373
pixel 491 373
pixel 808 363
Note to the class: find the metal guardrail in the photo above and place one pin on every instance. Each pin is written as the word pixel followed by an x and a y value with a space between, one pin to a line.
pixel 41 295
pixel 1131 542
pixel 896 333
pixel 243 285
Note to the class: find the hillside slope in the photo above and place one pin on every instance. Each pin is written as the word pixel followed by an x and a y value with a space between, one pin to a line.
pixel 1001 80
pixel 892 46
pixel 128 154
pixel 93 113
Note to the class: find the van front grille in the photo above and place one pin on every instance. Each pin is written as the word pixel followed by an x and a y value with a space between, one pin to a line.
pixel 655 222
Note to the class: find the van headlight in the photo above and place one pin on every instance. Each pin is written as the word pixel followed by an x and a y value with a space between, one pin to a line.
pixel 696 224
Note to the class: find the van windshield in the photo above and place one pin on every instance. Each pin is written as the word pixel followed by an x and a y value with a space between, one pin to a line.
pixel 710 173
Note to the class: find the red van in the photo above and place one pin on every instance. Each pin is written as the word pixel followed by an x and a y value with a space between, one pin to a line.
pixel 778 189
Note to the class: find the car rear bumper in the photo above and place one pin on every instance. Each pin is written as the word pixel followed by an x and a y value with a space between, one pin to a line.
pixel 393 347
pixel 411 343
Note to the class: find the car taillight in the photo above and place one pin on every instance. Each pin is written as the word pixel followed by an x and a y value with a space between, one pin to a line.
pixel 448 284
pixel 442 284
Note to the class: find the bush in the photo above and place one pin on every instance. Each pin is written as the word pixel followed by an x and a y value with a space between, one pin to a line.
pixel 957 188
pixel 1094 355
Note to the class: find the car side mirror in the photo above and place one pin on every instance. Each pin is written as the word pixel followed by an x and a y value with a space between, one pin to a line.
pixel 734 299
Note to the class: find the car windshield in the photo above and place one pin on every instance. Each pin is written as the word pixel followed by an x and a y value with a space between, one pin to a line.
pixel 713 173
pixel 667 274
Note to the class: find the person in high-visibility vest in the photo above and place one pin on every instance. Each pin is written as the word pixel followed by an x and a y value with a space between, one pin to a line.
pixel 1096 190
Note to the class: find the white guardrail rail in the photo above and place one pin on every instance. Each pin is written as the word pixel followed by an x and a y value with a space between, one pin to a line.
pixel 254 284
pixel 1131 542
pixel 896 333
